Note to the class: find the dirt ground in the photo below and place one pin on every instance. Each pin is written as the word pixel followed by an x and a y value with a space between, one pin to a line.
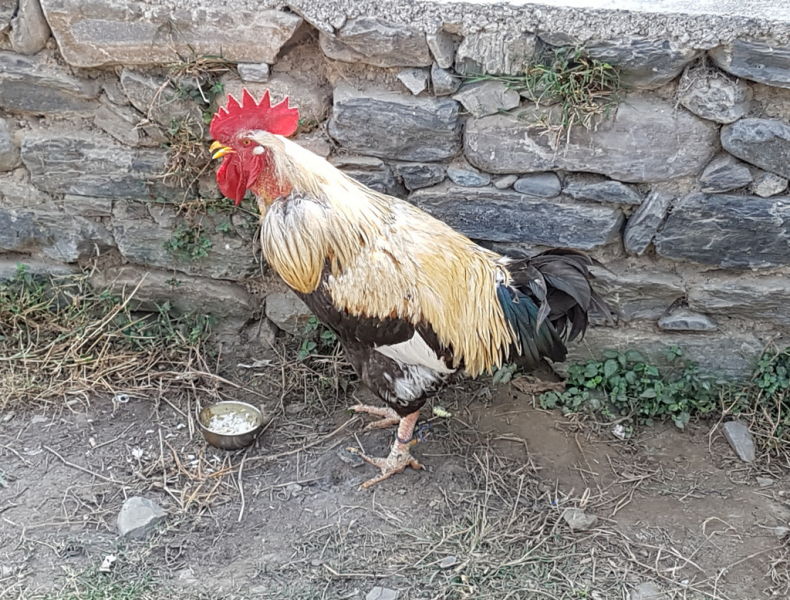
pixel 676 511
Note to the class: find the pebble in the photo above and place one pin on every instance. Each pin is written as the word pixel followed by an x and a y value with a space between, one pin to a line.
pixel 545 185
pixel 293 488
pixel 253 72
pixel 578 520
pixel 444 82
pixel 138 517
pixel 505 182
pixel 781 532
pixel 740 440
pixel 648 591
pixel 382 593
pixel 466 175
pixel 447 562
pixel 765 481
pixel 350 458
pixel 415 80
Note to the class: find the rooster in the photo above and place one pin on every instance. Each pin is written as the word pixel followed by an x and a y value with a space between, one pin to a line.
pixel 411 300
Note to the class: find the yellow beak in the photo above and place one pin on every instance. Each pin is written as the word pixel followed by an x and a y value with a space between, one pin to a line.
pixel 218 150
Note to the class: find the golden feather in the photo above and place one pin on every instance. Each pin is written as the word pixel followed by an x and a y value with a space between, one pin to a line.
pixel 386 257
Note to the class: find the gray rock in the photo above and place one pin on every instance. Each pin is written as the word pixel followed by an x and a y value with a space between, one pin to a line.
pixel 382 181
pixel 377 42
pixel 442 46
pixel 752 298
pixel 644 63
pixel 253 72
pixel 444 82
pixel 186 294
pixel 612 192
pixel 395 126
pixel 29 28
pixel 644 223
pixel 138 517
pixel 506 216
pixel 740 440
pixel 85 164
pixel 288 312
pixel 127 126
pixel 7 10
pixel 767 184
pixel 758 61
pixel 495 53
pixel 420 175
pixel 462 173
pixel 487 98
pixel 502 183
pixel 781 531
pixel 764 481
pixel 155 97
pixel 316 142
pixel 761 142
pixel 714 96
pixel 578 520
pixel 415 80
pixel 144 241
pixel 380 593
pixel 638 293
pixel 724 173
pixel 648 590
pixel 29 84
pixel 545 185
pixel 18 192
pixel 112 33
pixel 9 153
pixel 734 232
pixel 312 100
pixel 649 140
pixel 724 354
pixel 9 268
pixel 682 319
pixel 261 332
pixel 56 235
pixel 369 171
pixel 85 206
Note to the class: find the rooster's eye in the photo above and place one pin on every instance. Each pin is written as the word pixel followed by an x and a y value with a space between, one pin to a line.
pixel 246 142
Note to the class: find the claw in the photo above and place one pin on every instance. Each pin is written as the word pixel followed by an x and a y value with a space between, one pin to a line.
pixel 396 462
pixel 388 416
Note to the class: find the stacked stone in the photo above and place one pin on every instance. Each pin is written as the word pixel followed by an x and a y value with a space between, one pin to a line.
pixel 680 194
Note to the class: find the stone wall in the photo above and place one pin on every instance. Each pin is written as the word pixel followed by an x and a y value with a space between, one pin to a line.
pixel 680 194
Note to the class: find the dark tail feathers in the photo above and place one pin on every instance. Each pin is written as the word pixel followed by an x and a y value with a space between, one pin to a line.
pixel 549 302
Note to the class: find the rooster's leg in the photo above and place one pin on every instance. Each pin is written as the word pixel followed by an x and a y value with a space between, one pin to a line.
pixel 400 456
pixel 388 416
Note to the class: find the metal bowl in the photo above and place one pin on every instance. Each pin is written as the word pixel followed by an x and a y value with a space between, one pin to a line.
pixel 231 441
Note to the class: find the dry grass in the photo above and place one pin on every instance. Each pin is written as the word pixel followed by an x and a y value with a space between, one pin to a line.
pixel 62 342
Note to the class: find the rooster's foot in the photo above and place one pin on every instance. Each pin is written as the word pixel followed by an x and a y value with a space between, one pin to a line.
pixel 396 462
pixel 388 416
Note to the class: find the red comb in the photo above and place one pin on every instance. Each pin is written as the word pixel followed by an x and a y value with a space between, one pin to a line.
pixel 249 115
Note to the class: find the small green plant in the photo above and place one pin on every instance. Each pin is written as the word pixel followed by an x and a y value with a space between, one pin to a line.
pixel 584 89
pixel 624 386
pixel 316 339
pixel 188 243
pixel 767 397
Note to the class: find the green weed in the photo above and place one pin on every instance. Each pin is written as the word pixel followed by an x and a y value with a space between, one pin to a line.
pixel 624 386
pixel 585 90
pixel 188 243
